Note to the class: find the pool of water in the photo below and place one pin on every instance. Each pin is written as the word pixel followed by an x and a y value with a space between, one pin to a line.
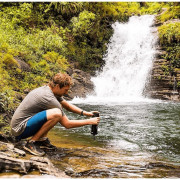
pixel 132 134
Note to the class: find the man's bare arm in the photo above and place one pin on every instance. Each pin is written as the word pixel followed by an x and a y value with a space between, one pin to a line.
pixel 78 123
pixel 72 108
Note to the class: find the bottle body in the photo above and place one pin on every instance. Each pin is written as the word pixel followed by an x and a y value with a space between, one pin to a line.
pixel 94 128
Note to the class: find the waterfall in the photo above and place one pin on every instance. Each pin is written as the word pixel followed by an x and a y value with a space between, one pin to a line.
pixel 128 61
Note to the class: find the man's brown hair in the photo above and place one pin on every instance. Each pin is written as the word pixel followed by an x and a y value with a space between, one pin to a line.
pixel 62 79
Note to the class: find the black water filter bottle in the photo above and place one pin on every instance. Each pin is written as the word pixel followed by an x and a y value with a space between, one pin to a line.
pixel 94 128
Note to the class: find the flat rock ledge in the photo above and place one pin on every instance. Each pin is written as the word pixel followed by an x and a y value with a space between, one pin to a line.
pixel 11 159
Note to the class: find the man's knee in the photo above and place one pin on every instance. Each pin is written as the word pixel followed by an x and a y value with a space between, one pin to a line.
pixel 54 113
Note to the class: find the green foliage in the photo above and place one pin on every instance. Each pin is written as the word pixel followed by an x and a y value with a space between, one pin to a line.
pixel 6 99
pixel 56 62
pixel 169 33
pixel 41 41
pixel 178 84
pixel 26 15
pixel 9 61
pixel 66 8
pixel 165 69
pixel 171 12
pixel 114 11
pixel 152 8
pixel 83 23
pixel 173 55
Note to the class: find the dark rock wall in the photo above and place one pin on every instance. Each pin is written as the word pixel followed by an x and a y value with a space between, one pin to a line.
pixel 82 84
pixel 162 84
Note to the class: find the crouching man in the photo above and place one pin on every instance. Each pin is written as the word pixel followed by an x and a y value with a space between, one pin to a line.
pixel 41 110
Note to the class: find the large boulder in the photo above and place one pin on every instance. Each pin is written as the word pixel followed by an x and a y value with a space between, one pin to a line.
pixel 82 84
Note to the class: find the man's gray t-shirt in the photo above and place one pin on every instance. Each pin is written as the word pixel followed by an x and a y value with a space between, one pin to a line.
pixel 38 100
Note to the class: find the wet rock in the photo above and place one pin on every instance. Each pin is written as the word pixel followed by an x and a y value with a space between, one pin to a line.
pixel 10 176
pixel 156 24
pixel 39 176
pixel 94 173
pixel 112 172
pixel 159 165
pixel 119 171
pixel 10 149
pixel 58 155
pixel 162 84
pixel 19 165
pixel 5 138
pixel 44 166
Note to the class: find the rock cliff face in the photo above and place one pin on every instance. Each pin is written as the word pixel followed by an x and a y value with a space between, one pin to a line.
pixel 82 84
pixel 163 84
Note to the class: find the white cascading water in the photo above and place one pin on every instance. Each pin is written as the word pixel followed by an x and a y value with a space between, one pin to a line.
pixel 128 61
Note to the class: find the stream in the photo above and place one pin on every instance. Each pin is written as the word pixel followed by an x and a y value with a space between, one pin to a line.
pixel 134 140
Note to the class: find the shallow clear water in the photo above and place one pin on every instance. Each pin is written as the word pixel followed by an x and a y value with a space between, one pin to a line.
pixel 152 128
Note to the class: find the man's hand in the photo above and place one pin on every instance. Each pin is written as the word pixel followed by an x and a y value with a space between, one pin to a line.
pixel 85 113
pixel 95 120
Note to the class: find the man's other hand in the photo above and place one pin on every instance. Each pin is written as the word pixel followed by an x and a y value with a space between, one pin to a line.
pixel 85 113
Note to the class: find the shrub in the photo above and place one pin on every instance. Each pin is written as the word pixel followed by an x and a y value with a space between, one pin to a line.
pixel 83 24
pixel 56 62
pixel 169 33
pixel 9 61
pixel 171 12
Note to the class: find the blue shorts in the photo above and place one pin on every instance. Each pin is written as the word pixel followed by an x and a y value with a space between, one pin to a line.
pixel 33 125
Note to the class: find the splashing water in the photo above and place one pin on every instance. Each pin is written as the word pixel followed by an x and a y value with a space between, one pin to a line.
pixel 128 62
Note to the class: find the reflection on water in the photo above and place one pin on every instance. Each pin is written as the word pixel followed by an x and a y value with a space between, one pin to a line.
pixel 150 129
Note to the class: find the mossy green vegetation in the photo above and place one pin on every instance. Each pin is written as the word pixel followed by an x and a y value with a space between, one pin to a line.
pixel 48 36
pixel 169 35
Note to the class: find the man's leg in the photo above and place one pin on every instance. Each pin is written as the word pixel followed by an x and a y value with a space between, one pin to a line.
pixel 38 127
pixel 53 117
